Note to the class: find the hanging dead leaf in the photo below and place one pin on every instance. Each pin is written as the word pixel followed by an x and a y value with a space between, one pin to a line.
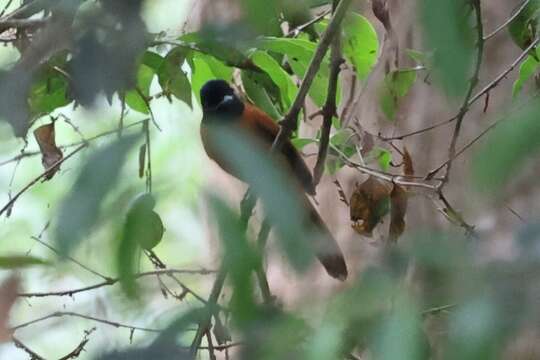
pixel 50 153
pixel 398 209
pixel 408 168
pixel 369 203
pixel 8 295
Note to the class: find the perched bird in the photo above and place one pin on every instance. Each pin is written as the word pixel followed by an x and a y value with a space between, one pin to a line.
pixel 222 107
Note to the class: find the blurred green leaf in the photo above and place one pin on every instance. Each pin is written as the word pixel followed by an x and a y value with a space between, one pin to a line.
pixel 360 44
pixel 241 261
pixel 269 65
pixel 475 331
pixel 508 147
pixel 79 211
pixel 172 78
pixel 281 201
pixel 221 42
pixel 448 31
pixel 401 336
pixel 396 85
pixel 134 98
pixel 152 60
pixel 48 92
pixel 263 16
pixel 8 262
pixel 258 94
pixel 527 70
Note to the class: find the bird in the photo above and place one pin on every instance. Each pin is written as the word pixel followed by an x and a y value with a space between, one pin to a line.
pixel 221 106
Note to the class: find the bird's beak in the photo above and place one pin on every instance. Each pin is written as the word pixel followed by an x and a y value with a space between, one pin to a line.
pixel 226 99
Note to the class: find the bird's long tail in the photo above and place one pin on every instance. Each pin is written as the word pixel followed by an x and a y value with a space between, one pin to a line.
pixel 326 247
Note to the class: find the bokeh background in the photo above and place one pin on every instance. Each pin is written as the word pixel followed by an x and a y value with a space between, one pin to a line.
pixel 183 176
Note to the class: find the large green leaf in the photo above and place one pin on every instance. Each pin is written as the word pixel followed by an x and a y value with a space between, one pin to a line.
pixel 258 94
pixel 299 53
pixel 79 211
pixel 526 71
pixel 206 67
pixel 360 44
pixel 269 65
pixel 507 148
pixel 172 78
pixel 448 30
pixel 137 98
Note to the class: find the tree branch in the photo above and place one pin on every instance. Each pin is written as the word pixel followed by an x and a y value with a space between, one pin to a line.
pixel 508 21
pixel 330 107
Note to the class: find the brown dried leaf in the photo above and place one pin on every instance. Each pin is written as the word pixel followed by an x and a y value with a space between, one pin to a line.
pixel 408 168
pixel 369 203
pixel 50 153
pixel 8 295
pixel 398 209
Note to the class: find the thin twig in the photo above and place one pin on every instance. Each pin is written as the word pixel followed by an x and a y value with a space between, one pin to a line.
pixel 75 261
pixel 113 281
pixel 472 84
pixel 508 21
pixel 26 349
pixel 60 314
pixel 491 85
pixel 294 32
pixel 75 353
pixel 67 146
pixel 330 107
pixel 12 201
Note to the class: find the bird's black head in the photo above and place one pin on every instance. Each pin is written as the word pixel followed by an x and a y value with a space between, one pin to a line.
pixel 218 100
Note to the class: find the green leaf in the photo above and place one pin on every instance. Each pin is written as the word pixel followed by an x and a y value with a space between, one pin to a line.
pixel 258 94
pixel 508 147
pixel 360 44
pixel 206 68
pixel 9 262
pixel 282 203
pixel 526 71
pixel 152 60
pixel 396 85
pixel 300 143
pixel 400 336
pixel 448 30
pixel 299 54
pixel 50 87
pixel 172 78
pixel 269 65
pixel 383 157
pixel 79 211
pixel 134 97
pixel 241 261
pixel 142 228
pixel 524 28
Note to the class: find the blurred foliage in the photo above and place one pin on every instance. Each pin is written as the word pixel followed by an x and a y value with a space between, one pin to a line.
pixel 109 54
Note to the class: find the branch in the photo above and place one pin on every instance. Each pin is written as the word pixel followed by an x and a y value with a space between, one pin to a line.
pixel 60 314
pixel 23 155
pixel 11 202
pixel 490 86
pixel 114 281
pixel 297 30
pixel 508 21
pixel 26 349
pixel 330 107
pixel 472 84
pixel 75 353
